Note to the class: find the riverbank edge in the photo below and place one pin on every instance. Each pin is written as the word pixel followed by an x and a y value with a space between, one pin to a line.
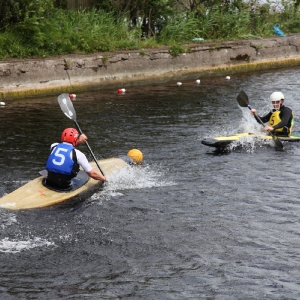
pixel 122 69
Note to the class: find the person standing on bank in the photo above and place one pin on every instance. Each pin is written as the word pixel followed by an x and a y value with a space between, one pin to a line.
pixel 280 118
pixel 64 161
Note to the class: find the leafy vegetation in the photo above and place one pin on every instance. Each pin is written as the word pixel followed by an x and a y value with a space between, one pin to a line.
pixel 42 28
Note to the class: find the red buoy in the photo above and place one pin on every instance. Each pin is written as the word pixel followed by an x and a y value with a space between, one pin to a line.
pixel 72 96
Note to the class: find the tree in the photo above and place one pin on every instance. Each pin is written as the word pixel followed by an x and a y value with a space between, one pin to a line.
pixel 148 16
pixel 14 12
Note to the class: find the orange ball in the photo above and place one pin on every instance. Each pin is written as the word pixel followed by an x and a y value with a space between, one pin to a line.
pixel 136 155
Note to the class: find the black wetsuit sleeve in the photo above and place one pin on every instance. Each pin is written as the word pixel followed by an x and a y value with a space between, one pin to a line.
pixel 285 116
pixel 264 119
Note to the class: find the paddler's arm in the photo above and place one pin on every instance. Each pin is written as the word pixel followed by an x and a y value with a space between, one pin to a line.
pixel 93 174
pixel 264 119
pixel 96 175
pixel 82 138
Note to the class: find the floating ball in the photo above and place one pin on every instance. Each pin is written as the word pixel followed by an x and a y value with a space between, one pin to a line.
pixel 136 155
pixel 2 103
pixel 227 77
pixel 198 81
pixel 120 91
pixel 179 83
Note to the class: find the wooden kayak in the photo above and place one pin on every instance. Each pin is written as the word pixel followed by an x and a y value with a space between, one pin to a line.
pixel 35 195
pixel 224 141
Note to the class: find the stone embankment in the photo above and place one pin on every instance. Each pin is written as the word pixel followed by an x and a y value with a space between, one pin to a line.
pixel 74 73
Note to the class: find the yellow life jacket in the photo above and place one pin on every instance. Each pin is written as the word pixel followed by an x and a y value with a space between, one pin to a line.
pixel 275 119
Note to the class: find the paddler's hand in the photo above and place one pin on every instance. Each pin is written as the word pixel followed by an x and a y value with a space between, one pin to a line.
pixel 253 111
pixel 82 138
pixel 268 128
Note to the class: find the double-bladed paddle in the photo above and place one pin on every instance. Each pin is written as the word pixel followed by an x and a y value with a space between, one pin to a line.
pixel 68 109
pixel 243 101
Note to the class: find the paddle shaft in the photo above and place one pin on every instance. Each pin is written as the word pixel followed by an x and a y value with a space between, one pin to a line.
pixel 258 118
pixel 68 109
pixel 88 146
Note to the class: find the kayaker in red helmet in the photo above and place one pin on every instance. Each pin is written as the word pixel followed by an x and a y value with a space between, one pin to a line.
pixel 64 160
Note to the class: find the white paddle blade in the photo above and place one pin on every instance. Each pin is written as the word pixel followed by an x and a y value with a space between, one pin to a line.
pixel 69 113
pixel 66 106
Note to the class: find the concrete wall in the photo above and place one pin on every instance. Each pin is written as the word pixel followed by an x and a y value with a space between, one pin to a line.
pixel 73 73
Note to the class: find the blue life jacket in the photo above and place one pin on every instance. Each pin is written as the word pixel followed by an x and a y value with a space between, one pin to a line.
pixel 60 161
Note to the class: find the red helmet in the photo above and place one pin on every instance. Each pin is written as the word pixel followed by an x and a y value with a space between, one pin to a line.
pixel 70 135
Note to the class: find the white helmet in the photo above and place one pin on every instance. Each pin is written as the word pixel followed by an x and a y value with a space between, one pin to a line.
pixel 276 96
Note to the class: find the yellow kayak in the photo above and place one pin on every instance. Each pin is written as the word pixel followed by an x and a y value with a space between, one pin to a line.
pixel 223 141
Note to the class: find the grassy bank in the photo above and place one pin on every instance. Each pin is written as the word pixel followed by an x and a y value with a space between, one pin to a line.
pixel 60 31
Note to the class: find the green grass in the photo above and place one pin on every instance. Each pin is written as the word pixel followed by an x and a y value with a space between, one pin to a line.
pixel 89 31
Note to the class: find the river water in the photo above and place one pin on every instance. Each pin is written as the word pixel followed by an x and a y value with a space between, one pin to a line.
pixel 189 224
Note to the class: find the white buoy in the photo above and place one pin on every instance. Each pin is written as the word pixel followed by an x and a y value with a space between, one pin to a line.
pixel 198 81
pixel 2 103
pixel 179 83
pixel 227 77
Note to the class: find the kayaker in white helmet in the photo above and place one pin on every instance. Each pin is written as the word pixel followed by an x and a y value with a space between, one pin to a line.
pixel 280 118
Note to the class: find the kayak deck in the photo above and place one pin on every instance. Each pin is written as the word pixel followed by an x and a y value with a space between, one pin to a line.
pixel 35 195
pixel 224 141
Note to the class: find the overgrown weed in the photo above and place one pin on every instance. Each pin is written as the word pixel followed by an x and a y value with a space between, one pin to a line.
pixel 57 31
